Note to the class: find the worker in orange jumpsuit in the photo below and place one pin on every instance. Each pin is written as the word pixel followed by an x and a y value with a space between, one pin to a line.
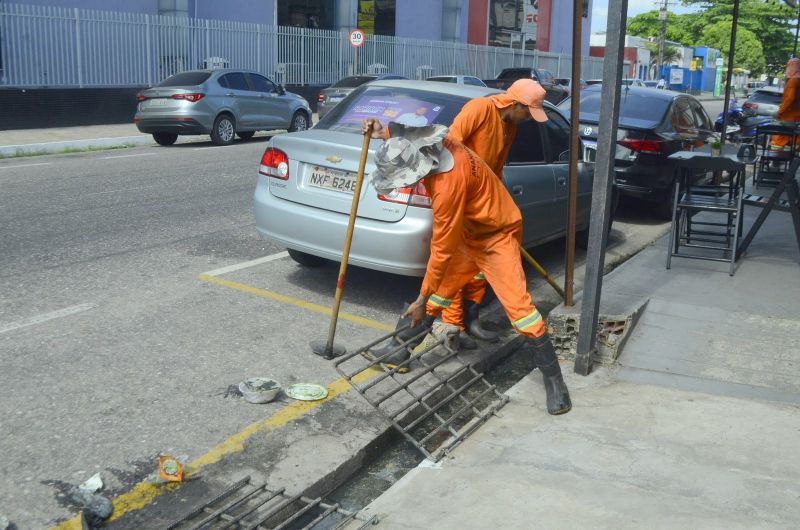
pixel 789 109
pixel 488 126
pixel 476 227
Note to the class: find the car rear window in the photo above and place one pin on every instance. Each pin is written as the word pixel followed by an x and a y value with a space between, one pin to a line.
pixel 353 81
pixel 443 79
pixel 403 105
pixel 634 106
pixel 762 96
pixel 186 79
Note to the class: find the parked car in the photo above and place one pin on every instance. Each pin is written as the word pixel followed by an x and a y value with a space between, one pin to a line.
pixel 458 79
pixel 653 124
pixel 555 92
pixel 625 82
pixel 567 83
pixel 763 102
pixel 331 96
pixel 305 182
pixel 220 103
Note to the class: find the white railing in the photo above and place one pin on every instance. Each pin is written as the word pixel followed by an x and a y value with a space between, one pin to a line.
pixel 43 46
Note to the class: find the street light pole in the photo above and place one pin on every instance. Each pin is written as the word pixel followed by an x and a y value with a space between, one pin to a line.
pixel 662 35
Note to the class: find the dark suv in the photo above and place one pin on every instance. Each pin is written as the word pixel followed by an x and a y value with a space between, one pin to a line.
pixel 555 92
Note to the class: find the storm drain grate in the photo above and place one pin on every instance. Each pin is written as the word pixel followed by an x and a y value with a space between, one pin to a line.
pixel 251 507
pixel 437 404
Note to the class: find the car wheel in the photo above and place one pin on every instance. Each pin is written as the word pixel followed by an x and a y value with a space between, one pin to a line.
pixel 307 260
pixel 165 138
pixel 299 121
pixel 245 135
pixel 223 131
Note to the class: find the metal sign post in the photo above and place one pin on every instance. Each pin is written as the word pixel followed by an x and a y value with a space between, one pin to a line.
pixel 574 149
pixel 603 181
pixel 357 40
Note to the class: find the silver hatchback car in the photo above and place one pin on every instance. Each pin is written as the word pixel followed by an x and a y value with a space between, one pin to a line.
pixel 220 103
pixel 306 181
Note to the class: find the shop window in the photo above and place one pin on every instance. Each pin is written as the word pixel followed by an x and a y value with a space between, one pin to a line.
pixel 311 14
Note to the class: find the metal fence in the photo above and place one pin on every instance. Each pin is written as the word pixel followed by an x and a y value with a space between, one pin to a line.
pixel 43 46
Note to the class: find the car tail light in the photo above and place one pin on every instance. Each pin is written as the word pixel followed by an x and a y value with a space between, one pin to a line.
pixel 643 146
pixel 140 97
pixel 320 98
pixel 196 96
pixel 416 195
pixel 274 163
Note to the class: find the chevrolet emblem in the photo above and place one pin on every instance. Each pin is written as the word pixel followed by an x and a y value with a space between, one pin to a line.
pixel 334 159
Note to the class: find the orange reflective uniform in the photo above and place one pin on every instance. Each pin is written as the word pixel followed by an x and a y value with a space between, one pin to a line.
pixel 480 127
pixel 476 227
pixel 788 111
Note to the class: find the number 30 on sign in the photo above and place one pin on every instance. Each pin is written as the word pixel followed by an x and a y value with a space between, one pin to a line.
pixel 357 38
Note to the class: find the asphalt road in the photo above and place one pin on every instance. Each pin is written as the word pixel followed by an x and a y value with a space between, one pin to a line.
pixel 115 349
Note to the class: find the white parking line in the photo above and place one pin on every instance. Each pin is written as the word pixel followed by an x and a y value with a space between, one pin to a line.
pixel 38 319
pixel 26 165
pixel 246 264
pixel 126 156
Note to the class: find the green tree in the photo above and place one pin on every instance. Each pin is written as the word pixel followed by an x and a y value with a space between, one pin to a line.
pixel 749 52
pixel 647 25
pixel 670 55
pixel 770 21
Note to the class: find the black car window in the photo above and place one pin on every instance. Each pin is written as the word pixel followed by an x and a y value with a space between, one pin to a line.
pixel 354 81
pixel 682 116
pixel 261 83
pixel 762 96
pixel 404 105
pixel 473 81
pixel 701 119
pixel 528 147
pixel 558 136
pixel 444 79
pixel 235 81
pixel 633 105
pixel 186 79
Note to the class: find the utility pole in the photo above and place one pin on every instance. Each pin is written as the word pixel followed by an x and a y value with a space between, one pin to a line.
pixel 662 35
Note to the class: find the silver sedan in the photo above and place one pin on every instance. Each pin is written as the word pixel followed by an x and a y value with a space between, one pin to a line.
pixel 306 181
pixel 220 103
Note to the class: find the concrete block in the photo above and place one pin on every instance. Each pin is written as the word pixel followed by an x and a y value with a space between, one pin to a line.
pixel 619 314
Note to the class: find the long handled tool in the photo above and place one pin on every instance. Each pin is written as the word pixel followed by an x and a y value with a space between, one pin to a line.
pixel 541 271
pixel 328 349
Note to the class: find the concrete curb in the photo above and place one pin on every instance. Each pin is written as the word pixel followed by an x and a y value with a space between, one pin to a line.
pixel 21 150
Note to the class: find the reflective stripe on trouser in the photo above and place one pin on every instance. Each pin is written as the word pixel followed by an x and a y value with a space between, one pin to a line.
pixel 474 290
pixel 499 259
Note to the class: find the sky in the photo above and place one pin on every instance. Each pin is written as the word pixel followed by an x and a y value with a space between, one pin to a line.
pixel 635 7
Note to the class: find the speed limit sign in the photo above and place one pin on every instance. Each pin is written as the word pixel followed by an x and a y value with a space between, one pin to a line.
pixel 356 38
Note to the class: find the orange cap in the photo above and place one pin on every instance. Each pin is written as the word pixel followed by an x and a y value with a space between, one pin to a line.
pixel 530 93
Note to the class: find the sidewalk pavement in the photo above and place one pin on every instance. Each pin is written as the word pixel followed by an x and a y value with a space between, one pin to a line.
pixel 695 427
pixel 28 142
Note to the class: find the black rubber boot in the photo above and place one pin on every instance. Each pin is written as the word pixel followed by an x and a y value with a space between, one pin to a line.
pixel 413 337
pixel 465 342
pixel 558 401
pixel 473 325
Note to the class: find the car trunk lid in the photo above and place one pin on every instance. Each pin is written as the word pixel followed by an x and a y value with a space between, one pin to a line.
pixel 158 98
pixel 322 170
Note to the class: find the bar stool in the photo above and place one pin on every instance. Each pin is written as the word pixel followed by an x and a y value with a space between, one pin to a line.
pixel 772 164
pixel 705 239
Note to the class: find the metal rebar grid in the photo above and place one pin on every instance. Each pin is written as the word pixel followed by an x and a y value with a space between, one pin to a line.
pixel 254 507
pixel 435 406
